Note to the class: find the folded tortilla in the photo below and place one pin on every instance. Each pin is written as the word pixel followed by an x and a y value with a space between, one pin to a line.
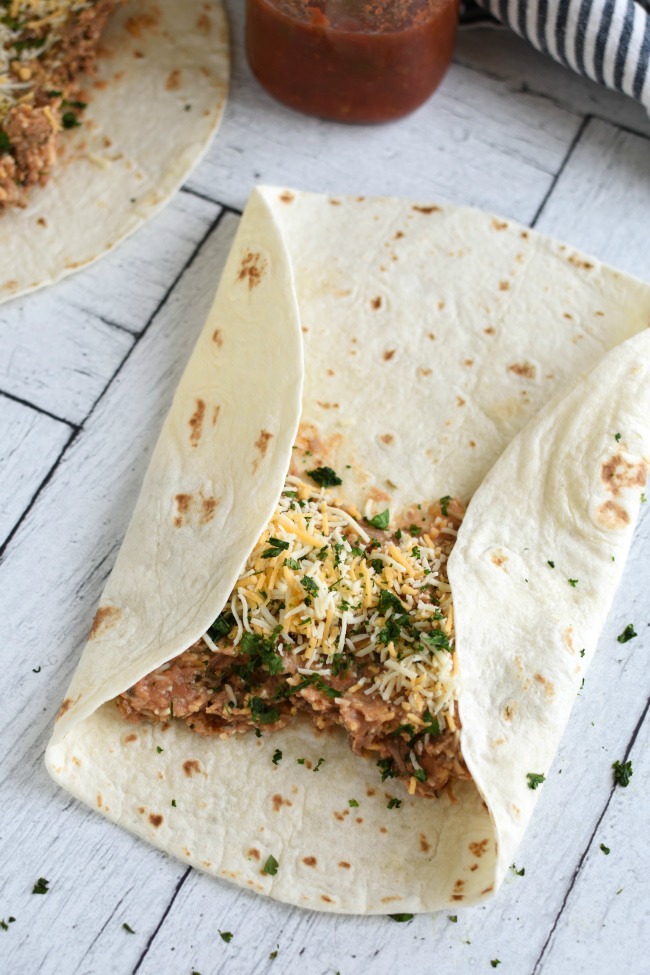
pixel 435 350
pixel 154 103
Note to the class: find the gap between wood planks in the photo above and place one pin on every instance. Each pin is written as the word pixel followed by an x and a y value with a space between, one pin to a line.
pixel 155 931
pixel 583 856
pixel 77 429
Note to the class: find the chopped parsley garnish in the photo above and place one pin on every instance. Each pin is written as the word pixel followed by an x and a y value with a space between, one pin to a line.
pixel 388 600
pixel 277 756
pixel 622 773
pixel 551 563
pixel 380 521
pixel 262 653
pixel 258 733
pixel 582 653
pixel 174 803
pixel 414 530
pixel 353 803
pixel 398 534
pixel 617 437
pixel 159 749
pixel 401 917
pixel 535 779
pixel 643 499
pixel 276 545
pixel 628 634
pixel 495 962
pixel 273 955
pixel 226 936
pixel 444 504
pixel 310 585
pixel 519 873
pixel 433 726
pixel 127 927
pixel 321 761
pixel 377 565
pixel 453 918
pixel 261 712
pixel 5 144
pixel 69 120
pixel 271 866
pixel 324 477
pixel 394 803
pixel 171 708
pixel 300 761
pixel 222 626
pixel 420 775
pixel 386 766
pixel 41 886
pixel 573 582
pixel 438 639
pixel 606 850
pixel 340 664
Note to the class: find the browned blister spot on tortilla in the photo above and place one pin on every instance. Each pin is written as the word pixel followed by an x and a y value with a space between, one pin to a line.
pixel 509 710
pixel 216 410
pixel 204 24
pixel 196 423
pixel 499 559
pixel 388 354
pixel 174 80
pixel 376 302
pixel 252 269
pixel 138 24
pixel 262 442
pixel 206 863
pixel 370 791
pixel 428 209
pixel 612 516
pixel 477 850
pixel 499 224
pixel 524 369
pixel 217 338
pixel 192 767
pixel 474 866
pixel 460 401
pixel 325 405
pixel 100 801
pixel 504 286
pixel 549 688
pixel 340 815
pixel 310 861
pixel 186 852
pixel 618 473
pixel 457 897
pixel 328 900
pixel 468 362
pixel 130 738
pixel 208 506
pixel 387 438
pixel 488 889
pixel 279 801
pixel 567 637
pixel 67 704
pixel 105 618
pixel 255 854
pixel 344 865
pixel 155 819
pixel 425 846
pixel 424 372
pixel 287 197
pixel 580 263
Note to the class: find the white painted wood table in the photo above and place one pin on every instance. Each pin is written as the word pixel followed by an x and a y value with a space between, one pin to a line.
pixel 87 370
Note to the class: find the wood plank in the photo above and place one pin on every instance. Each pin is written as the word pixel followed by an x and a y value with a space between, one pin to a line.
pixel 475 142
pixel 48 594
pixel 58 352
pixel 601 202
pixel 30 443
pixel 509 58
pixel 613 893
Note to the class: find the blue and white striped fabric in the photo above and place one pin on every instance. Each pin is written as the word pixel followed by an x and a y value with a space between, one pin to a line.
pixel 607 40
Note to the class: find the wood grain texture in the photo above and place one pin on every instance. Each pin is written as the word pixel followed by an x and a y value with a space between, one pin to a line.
pixel 30 443
pixel 476 142
pixel 484 139
pixel 61 346
pixel 601 201
pixel 88 501
pixel 512 60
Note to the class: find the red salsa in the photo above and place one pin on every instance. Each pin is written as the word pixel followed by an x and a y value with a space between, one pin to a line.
pixel 351 60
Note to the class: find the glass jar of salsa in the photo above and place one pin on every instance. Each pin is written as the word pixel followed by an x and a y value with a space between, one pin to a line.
pixel 351 60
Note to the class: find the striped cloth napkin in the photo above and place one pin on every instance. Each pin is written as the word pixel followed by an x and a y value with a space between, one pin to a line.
pixel 607 40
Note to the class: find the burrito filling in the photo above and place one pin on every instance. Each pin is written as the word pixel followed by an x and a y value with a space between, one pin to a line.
pixel 341 617
pixel 45 45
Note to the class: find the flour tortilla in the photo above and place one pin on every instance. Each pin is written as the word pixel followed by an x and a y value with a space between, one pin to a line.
pixel 138 142
pixel 549 370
